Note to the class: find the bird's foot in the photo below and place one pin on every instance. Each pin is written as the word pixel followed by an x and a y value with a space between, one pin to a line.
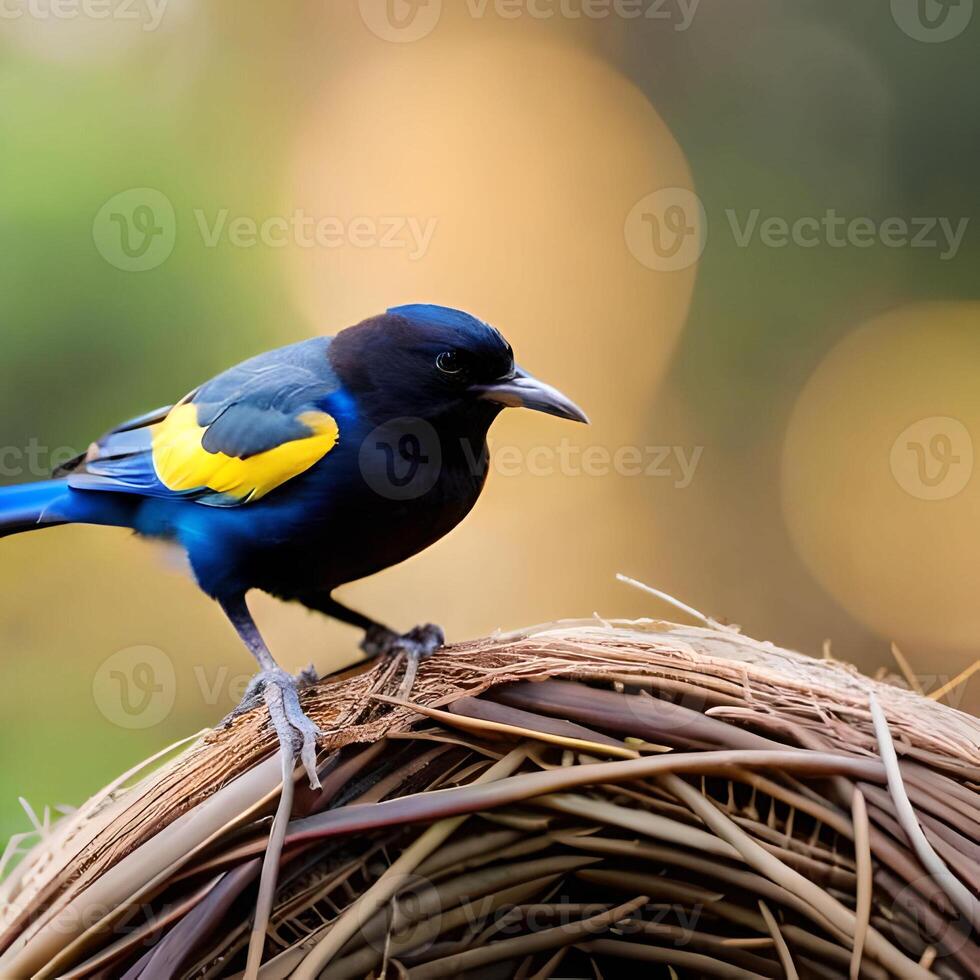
pixel 379 641
pixel 295 728
pixel 414 646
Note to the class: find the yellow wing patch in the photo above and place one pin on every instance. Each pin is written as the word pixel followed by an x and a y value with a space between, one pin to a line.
pixel 182 463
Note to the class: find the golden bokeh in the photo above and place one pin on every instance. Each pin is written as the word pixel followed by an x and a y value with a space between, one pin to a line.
pixel 528 200
pixel 879 490
pixel 518 209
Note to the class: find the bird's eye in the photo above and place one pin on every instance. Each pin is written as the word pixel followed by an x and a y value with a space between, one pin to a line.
pixel 449 362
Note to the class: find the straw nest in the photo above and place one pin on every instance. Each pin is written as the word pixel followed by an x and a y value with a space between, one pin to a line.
pixel 586 799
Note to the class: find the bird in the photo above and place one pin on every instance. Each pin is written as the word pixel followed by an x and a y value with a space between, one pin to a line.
pixel 305 468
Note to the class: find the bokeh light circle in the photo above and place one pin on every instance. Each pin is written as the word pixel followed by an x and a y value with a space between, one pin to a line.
pixel 496 177
pixel 496 174
pixel 667 229
pixel 878 485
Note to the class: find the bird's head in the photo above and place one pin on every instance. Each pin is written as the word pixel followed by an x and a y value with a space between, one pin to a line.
pixel 431 361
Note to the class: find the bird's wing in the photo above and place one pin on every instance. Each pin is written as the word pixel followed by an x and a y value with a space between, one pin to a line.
pixel 148 418
pixel 229 442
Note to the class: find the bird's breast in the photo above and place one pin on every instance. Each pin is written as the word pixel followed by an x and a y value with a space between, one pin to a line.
pixel 369 505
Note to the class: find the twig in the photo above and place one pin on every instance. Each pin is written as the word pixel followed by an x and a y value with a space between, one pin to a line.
pixel 377 896
pixel 931 861
pixel 960 678
pixel 273 851
pixel 907 672
pixel 762 861
pixel 537 942
pixel 548 970
pixel 862 856
pixel 676 603
pixel 782 950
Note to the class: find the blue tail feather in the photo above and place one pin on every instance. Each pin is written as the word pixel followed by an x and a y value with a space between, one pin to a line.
pixel 30 506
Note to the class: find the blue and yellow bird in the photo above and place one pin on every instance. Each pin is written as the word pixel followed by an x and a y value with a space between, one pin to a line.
pixel 305 468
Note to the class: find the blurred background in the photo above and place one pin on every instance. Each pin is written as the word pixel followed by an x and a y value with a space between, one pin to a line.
pixel 742 236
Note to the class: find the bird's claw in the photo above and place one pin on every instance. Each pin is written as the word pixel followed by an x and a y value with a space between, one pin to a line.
pixel 414 646
pixel 420 641
pixel 294 727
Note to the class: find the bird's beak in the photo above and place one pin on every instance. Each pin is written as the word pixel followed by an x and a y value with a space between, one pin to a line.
pixel 523 391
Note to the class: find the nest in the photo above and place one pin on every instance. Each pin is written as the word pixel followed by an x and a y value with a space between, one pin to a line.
pixel 578 800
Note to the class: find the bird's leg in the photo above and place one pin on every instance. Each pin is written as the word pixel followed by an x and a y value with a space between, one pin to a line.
pixel 279 689
pixel 420 641
pixel 379 640
pixel 417 643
